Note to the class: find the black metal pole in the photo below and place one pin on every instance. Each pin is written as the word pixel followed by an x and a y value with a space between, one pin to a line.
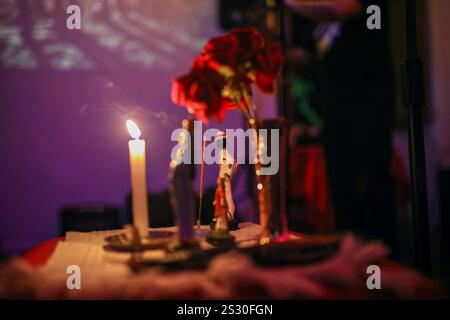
pixel 414 99
pixel 283 108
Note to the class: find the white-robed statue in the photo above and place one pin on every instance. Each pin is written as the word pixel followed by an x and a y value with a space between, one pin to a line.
pixel 224 208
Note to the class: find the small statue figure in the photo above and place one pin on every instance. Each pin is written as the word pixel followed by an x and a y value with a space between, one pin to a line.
pixel 181 188
pixel 224 208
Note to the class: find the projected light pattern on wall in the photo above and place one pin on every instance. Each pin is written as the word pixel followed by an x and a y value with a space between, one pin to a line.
pixel 66 94
pixel 114 34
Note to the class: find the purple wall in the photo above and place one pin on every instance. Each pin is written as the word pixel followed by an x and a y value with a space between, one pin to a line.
pixel 63 132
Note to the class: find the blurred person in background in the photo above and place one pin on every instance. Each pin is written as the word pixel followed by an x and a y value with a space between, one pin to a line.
pixel 357 83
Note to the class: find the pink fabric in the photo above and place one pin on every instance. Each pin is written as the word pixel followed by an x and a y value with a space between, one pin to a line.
pixel 234 276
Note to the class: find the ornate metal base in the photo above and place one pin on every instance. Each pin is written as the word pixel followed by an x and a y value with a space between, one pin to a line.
pixel 176 245
pixel 154 240
pixel 232 224
pixel 220 238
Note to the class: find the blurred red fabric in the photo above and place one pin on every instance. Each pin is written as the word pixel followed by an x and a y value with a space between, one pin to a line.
pixel 309 184
pixel 39 254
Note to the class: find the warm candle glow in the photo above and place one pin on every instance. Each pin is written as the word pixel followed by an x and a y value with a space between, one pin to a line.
pixel 133 129
pixel 138 179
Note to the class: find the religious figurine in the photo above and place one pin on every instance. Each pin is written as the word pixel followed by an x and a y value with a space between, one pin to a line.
pixel 181 188
pixel 224 208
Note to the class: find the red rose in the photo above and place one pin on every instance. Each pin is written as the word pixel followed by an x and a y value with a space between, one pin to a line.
pixel 238 51
pixel 200 91
pixel 266 65
pixel 236 47
pixel 225 70
pixel 250 42
pixel 224 49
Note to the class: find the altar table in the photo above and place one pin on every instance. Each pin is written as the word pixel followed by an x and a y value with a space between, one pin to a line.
pixel 228 276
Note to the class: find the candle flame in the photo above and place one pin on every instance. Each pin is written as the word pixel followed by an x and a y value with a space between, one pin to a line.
pixel 133 129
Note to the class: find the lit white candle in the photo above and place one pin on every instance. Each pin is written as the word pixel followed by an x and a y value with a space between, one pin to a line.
pixel 138 179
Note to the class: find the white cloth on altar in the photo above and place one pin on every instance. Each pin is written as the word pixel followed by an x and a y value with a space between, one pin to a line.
pixel 85 249
pixel 228 276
